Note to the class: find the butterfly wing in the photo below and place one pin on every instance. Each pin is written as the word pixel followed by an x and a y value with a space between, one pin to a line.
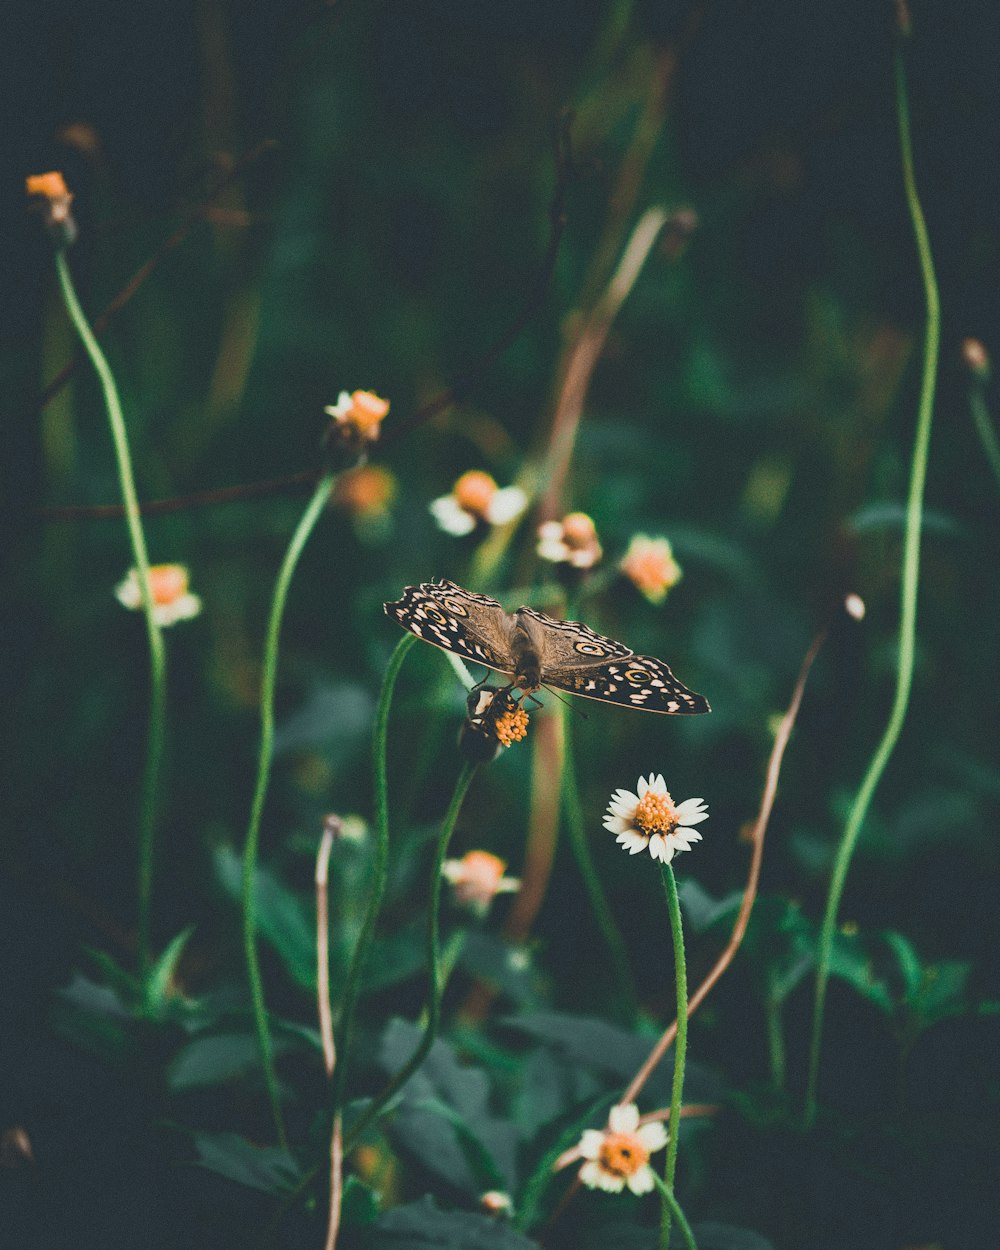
pixel 571 643
pixel 639 681
pixel 457 620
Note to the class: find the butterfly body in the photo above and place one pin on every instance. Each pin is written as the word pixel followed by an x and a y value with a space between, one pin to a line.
pixel 533 649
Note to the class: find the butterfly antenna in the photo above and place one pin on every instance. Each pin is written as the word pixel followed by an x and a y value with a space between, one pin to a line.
pixel 573 707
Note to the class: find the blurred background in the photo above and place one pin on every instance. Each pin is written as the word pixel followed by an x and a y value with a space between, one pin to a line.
pixel 388 172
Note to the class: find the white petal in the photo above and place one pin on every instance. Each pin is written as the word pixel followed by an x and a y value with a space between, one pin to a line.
pixel 591 1143
pixel 591 1173
pixel 506 504
pixel 452 869
pixel 183 608
pixel 609 1182
pixel 657 784
pixel 641 1181
pixel 617 824
pixel 686 836
pixel 644 785
pixel 508 885
pixel 552 551
pixel 689 813
pixel 652 1135
pixel 623 1118
pixel 551 531
pixel 623 802
pixel 633 842
pixel 660 848
pixel 451 517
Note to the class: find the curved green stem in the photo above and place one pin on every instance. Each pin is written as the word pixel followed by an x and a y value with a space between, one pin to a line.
pixel 671 1204
pixel 680 1047
pixel 380 869
pixel 270 669
pixel 157 653
pixel 984 427
pixel 433 961
pixel 575 824
pixel 908 590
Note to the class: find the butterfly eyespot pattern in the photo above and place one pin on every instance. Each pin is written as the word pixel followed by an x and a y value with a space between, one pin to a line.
pixel 566 655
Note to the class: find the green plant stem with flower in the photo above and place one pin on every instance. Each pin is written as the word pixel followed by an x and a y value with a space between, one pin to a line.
pixel 624 980
pixel 304 528
pixel 908 590
pixel 680 1053
pixel 434 964
pixel 156 734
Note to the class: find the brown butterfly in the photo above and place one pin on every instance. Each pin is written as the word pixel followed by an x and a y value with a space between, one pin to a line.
pixel 536 650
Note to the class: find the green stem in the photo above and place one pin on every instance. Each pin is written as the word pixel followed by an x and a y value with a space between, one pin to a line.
pixel 433 962
pixel 380 870
pixel 680 1052
pixel 270 669
pixel 984 427
pixel 671 1204
pixel 908 591
pixel 156 734
pixel 575 824
pixel 775 1036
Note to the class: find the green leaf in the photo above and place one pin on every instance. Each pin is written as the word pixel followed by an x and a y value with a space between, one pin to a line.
pixel 419 1124
pixel 851 962
pixel 159 992
pixel 907 961
pixel 268 1168
pixel 701 910
pixel 215 1059
pixel 285 921
pixel 423 1226
pixel 507 967
pixel 708 1236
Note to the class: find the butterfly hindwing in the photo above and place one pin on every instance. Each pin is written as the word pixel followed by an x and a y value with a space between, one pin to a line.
pixel 640 681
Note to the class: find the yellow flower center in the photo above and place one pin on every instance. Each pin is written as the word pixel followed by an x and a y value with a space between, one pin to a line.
pixel 52 186
pixel 622 1154
pixel 655 813
pixel 578 530
pixel 168 582
pixel 367 413
pixel 474 490
pixel 512 726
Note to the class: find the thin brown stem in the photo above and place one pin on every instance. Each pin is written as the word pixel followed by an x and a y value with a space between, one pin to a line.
pixel 583 356
pixel 331 827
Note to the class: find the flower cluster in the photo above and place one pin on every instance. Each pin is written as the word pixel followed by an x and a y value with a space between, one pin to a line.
pixel 650 566
pixel 357 417
pixel 477 500
pixel 50 195
pixel 572 541
pixel 494 719
pixel 650 820
pixel 172 601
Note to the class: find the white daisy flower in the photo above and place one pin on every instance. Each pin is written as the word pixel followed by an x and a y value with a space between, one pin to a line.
pixel 172 601
pixel 650 566
pixel 358 414
pixel 476 498
pixel 651 819
pixel 619 1155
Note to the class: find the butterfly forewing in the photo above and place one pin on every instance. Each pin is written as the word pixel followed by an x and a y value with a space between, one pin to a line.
pixel 448 616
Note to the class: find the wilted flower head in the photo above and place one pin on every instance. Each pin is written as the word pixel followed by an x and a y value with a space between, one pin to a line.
pixel 651 819
pixel 572 541
pixel 52 198
pixel 477 879
pixel 172 601
pixel 358 416
pixel 496 1202
pixel 976 359
pixel 494 719
pixel 476 499
pixel 619 1155
pixel 650 566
